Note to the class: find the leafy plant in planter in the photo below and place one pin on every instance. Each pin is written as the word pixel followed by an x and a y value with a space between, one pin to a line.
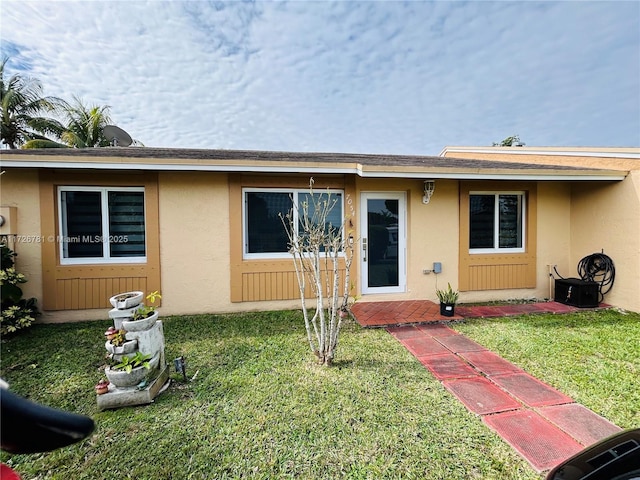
pixel 147 310
pixel 116 337
pixel 117 342
pixel 129 370
pixel 144 317
pixel 448 296
pixel 129 363
pixel 448 299
pixel 119 338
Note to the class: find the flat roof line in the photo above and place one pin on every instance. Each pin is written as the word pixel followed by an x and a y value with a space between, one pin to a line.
pixel 628 153
pixel 538 174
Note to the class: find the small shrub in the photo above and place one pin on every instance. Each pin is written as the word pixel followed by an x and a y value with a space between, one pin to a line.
pixel 17 312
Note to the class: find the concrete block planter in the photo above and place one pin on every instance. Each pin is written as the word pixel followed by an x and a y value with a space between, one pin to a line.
pixel 126 300
pixel 122 379
pixel 140 325
pixel 123 313
pixel 142 372
pixel 126 347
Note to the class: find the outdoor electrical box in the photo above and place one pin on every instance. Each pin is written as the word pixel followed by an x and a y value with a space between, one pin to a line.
pixel 437 267
pixel 577 292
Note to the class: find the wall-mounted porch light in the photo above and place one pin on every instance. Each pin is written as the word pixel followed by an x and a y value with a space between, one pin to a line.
pixel 429 187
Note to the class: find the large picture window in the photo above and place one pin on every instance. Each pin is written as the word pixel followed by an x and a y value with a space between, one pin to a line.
pixel 496 222
pixel 101 225
pixel 264 234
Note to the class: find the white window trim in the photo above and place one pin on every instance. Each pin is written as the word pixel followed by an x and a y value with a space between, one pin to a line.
pixel 291 191
pixel 105 259
pixel 496 223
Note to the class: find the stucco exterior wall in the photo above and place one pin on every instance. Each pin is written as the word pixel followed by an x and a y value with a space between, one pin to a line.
pixel 195 246
pixel 194 242
pixel 554 235
pixel 432 236
pixel 573 220
pixel 19 188
pixel 607 217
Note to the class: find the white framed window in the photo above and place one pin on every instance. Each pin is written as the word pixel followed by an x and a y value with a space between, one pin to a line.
pixel 497 222
pixel 263 233
pixel 101 225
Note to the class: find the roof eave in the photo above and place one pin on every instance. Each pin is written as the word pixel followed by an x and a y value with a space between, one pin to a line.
pixel 603 175
pixel 363 171
pixel 604 152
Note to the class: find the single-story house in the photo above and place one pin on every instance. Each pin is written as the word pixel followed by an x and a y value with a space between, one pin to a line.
pixel 202 226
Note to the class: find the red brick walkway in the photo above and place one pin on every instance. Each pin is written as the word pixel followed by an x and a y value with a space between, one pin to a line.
pixel 540 423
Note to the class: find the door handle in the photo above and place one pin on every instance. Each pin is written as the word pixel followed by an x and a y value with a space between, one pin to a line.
pixel 364 249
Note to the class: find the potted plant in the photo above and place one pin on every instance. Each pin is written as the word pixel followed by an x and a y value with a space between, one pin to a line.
pixel 118 338
pixel 448 299
pixel 117 342
pixel 130 370
pixel 145 316
pixel 126 300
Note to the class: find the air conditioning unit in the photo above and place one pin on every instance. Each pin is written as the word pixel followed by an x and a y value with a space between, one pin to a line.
pixel 577 292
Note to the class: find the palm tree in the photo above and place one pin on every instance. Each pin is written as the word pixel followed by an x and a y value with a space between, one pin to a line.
pixel 22 102
pixel 85 125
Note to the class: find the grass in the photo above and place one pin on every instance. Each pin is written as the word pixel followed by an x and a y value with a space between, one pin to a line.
pixel 594 357
pixel 259 407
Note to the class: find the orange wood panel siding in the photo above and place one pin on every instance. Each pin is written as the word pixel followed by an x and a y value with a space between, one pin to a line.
pixel 271 281
pixel 499 274
pixel 79 287
pixel 498 271
pixel 282 285
pixel 84 292
pixel 264 280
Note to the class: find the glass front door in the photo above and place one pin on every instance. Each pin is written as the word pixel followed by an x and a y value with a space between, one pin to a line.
pixel 383 242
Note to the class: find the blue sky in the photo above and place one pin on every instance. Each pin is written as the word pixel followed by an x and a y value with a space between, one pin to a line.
pixel 366 77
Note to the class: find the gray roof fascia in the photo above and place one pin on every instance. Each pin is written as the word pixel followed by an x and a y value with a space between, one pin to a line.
pixel 587 175
pixel 542 174
pixel 173 167
pixel 560 152
pixel 365 166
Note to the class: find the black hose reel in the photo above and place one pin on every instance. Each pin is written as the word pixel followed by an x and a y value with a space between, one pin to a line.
pixel 597 274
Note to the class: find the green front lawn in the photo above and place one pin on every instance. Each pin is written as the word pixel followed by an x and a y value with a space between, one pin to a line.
pixel 258 407
pixel 594 357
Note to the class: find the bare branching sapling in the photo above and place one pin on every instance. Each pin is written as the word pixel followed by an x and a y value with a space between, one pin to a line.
pixel 322 254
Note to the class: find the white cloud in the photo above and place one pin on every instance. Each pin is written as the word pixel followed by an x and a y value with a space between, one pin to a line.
pixel 342 76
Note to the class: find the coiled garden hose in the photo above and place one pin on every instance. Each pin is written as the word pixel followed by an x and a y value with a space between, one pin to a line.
pixel 597 268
